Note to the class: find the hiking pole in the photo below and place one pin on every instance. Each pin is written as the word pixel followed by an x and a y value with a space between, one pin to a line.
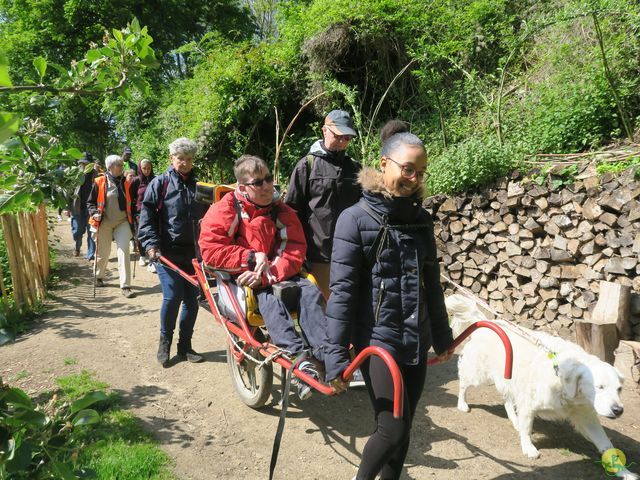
pixel 95 263
pixel 135 253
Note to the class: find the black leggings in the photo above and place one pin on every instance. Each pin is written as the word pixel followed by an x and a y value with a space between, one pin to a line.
pixel 387 448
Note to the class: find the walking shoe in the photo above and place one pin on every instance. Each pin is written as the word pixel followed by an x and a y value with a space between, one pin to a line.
pixel 163 351
pixel 152 268
pixel 126 291
pixel 142 262
pixel 76 253
pixel 185 352
pixel 99 282
pixel 304 390
pixel 357 380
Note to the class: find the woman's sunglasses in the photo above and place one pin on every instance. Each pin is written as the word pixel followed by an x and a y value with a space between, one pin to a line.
pixel 260 182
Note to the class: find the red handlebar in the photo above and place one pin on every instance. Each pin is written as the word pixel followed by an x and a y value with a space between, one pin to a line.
pixel 508 350
pixel 396 376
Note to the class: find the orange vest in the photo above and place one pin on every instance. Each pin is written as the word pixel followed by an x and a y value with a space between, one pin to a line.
pixel 101 182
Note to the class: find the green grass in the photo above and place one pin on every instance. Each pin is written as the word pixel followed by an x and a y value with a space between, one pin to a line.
pixel 75 386
pixel 70 361
pixel 117 447
pixel 20 375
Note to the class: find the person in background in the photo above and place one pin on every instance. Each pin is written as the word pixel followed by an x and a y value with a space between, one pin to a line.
pixel 168 217
pixel 109 206
pixel 322 185
pixel 79 210
pixel 129 163
pixel 385 292
pixel 138 187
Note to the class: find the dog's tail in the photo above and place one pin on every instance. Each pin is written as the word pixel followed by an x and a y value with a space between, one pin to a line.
pixel 462 312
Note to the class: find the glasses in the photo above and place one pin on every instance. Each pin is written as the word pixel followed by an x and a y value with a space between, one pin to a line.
pixel 341 138
pixel 259 183
pixel 408 172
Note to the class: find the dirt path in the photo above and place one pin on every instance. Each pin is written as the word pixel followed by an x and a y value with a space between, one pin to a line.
pixel 194 413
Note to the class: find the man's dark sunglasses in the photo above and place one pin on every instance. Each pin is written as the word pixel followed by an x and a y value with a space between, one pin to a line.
pixel 259 183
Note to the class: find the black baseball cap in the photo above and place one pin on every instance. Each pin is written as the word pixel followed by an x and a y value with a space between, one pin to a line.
pixel 339 122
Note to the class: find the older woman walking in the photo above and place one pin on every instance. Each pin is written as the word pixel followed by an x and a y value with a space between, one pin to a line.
pixel 167 217
pixel 110 213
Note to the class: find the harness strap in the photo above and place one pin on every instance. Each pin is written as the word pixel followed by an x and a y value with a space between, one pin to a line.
pixel 283 415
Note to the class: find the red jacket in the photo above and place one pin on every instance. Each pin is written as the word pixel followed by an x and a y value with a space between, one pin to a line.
pixel 225 245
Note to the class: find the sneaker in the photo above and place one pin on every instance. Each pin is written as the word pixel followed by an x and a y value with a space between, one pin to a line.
pixel 142 262
pixel 357 380
pixel 152 268
pixel 99 282
pixel 126 291
pixel 76 253
pixel 304 390
pixel 59 218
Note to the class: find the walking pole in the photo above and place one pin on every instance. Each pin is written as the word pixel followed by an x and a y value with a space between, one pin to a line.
pixel 135 254
pixel 95 263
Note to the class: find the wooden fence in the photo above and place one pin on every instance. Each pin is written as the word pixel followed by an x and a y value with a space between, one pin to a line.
pixel 26 237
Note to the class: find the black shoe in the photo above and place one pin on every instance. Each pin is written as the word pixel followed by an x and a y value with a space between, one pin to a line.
pixel 304 390
pixel 76 253
pixel 99 282
pixel 163 351
pixel 126 291
pixel 185 352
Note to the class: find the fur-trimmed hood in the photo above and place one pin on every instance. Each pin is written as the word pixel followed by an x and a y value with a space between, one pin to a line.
pixel 371 181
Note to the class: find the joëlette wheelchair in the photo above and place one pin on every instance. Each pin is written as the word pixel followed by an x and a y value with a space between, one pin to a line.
pixel 250 355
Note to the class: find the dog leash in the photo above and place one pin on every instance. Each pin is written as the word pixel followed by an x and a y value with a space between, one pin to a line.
pixel 551 355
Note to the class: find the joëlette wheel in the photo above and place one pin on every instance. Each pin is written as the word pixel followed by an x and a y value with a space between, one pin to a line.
pixel 253 384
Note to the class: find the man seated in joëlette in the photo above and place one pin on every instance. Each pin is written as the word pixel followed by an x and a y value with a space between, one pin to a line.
pixel 259 240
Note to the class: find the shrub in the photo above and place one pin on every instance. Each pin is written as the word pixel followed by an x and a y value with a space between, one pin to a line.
pixel 472 163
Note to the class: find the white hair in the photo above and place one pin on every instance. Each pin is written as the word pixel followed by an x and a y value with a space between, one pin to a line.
pixel 183 145
pixel 111 159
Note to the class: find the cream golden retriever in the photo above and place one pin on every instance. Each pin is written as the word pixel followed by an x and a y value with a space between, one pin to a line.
pixel 576 386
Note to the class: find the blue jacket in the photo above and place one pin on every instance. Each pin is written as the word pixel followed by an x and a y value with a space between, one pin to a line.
pixel 396 302
pixel 172 227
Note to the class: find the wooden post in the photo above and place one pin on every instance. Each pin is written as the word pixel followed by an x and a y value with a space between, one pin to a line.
pixel 42 233
pixel 609 322
pixel 628 360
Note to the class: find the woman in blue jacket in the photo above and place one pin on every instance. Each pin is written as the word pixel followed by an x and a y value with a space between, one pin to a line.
pixel 167 226
pixel 385 292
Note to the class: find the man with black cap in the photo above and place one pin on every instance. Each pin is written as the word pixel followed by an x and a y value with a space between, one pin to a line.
pixel 126 156
pixel 323 184
pixel 79 211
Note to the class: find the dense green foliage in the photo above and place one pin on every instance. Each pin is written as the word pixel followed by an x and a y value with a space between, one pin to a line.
pixel 58 436
pixel 487 82
pixel 63 30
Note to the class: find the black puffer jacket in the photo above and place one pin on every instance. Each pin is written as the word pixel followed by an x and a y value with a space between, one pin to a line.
pixel 320 193
pixel 396 303
pixel 171 229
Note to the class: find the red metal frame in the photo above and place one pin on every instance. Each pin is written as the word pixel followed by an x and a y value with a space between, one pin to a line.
pixel 242 330
pixel 508 350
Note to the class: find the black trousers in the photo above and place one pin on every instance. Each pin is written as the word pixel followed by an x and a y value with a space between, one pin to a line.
pixel 386 449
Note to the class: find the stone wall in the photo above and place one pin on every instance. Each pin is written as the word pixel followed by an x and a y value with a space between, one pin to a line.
pixel 537 253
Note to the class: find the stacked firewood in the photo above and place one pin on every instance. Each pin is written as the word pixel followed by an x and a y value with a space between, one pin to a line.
pixel 537 253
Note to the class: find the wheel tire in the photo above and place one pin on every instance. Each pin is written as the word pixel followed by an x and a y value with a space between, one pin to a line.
pixel 252 384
